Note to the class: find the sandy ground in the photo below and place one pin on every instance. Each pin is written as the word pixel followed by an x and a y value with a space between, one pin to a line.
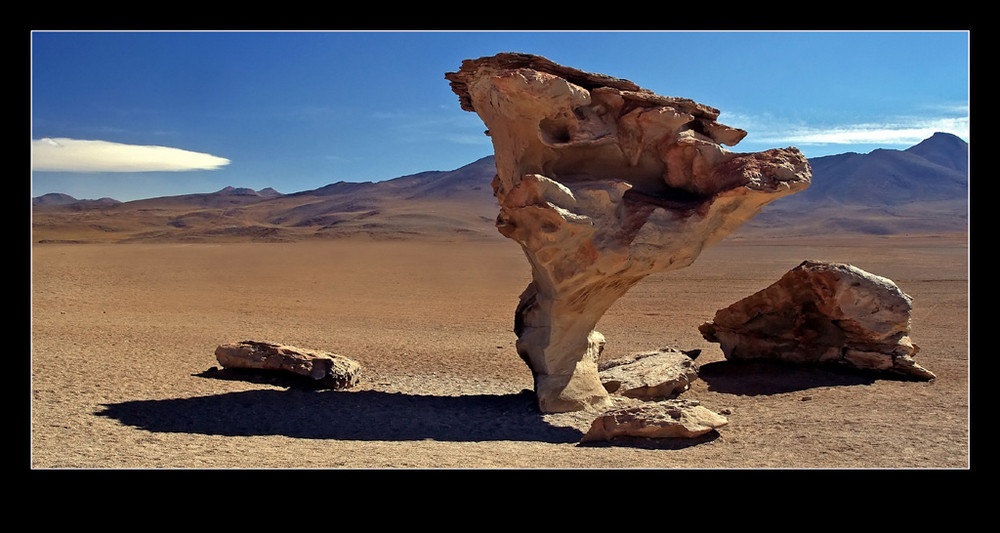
pixel 123 340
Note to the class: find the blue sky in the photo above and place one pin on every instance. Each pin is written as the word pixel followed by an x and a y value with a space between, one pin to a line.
pixel 299 110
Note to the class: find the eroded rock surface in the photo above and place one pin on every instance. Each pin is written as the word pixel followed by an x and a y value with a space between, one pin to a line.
pixel 329 369
pixel 655 375
pixel 602 183
pixel 664 419
pixel 822 313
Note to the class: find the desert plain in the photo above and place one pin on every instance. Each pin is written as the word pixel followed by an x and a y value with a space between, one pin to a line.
pixel 123 372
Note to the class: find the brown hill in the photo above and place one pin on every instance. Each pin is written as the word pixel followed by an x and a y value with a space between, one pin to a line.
pixel 921 190
pixel 428 205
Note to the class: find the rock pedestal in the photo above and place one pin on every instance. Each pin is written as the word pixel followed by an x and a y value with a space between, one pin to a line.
pixel 602 183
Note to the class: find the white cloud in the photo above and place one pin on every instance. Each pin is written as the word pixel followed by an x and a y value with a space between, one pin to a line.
pixel 898 132
pixel 73 155
pixel 882 134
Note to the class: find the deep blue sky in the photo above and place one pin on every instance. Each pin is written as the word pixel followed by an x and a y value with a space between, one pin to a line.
pixel 299 110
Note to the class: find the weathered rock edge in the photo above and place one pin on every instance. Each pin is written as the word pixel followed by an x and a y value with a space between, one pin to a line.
pixel 823 313
pixel 601 183
pixel 328 369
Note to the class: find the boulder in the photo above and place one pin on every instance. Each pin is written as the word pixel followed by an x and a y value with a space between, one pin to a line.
pixel 822 312
pixel 655 375
pixel 665 419
pixel 601 183
pixel 325 368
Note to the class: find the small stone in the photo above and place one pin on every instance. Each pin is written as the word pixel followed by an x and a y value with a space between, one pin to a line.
pixel 666 419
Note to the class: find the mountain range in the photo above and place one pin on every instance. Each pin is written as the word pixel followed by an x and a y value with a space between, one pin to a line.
pixel 921 190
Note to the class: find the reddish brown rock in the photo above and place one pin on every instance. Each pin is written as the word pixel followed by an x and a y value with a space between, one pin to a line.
pixel 329 369
pixel 601 183
pixel 822 313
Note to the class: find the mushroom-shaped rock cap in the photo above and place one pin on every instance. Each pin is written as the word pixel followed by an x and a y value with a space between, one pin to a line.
pixel 602 183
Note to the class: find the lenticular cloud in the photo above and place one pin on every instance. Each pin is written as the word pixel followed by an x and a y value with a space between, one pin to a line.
pixel 72 155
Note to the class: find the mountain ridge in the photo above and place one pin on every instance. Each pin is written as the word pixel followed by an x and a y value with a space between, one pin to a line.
pixel 919 190
pixel 922 189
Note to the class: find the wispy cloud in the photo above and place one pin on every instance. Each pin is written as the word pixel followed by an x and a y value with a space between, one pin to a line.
pixel 73 155
pixel 881 134
pixel 900 131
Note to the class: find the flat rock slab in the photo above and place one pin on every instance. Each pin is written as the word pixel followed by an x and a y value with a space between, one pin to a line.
pixel 656 375
pixel 329 369
pixel 666 419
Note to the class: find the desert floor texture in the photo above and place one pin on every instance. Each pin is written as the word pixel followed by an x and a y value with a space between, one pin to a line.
pixel 123 372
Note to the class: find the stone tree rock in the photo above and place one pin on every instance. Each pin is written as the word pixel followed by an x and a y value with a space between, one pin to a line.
pixel 822 313
pixel 328 369
pixel 602 183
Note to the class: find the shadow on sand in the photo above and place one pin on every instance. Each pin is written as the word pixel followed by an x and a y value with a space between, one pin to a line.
pixel 307 412
pixel 754 378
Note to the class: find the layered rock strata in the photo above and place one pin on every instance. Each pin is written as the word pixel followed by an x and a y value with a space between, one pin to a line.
pixel 822 312
pixel 328 369
pixel 602 183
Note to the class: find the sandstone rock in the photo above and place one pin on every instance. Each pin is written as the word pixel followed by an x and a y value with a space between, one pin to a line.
pixel 822 313
pixel 602 183
pixel 329 369
pixel 655 375
pixel 666 419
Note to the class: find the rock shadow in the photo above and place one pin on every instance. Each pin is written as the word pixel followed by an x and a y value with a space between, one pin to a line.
pixel 753 378
pixel 305 412
pixel 645 443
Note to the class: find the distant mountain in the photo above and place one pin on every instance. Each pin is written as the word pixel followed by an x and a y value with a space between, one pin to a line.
pixel 440 204
pixel 244 191
pixel 935 169
pixel 923 189
pixel 225 197
pixel 53 198
pixel 59 199
pixel 945 150
pixel 434 204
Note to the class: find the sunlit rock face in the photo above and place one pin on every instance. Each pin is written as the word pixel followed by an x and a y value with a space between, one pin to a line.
pixel 823 313
pixel 602 183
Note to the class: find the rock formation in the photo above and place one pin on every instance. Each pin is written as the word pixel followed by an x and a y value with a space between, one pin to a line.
pixel 602 183
pixel 822 313
pixel 655 375
pixel 666 419
pixel 328 369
